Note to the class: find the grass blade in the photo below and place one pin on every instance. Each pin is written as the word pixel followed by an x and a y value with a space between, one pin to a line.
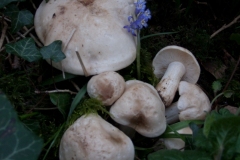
pixel 76 100
pixel 156 34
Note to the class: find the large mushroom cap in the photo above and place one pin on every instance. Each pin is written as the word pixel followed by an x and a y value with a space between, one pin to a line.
pixel 92 27
pixel 177 54
pixel 92 138
pixel 140 108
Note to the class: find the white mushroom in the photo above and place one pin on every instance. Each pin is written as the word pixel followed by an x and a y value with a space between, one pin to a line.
pixel 173 64
pixel 92 27
pixel 177 143
pixel 92 138
pixel 193 104
pixel 140 108
pixel 107 87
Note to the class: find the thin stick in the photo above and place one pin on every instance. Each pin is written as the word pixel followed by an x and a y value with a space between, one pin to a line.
pixel 225 26
pixel 82 64
pixel 75 85
pixel 4 30
pixel 33 37
pixel 33 5
pixel 64 49
pixel 56 91
pixel 230 79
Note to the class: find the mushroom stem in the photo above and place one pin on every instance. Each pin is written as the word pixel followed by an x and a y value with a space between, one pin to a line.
pixel 168 85
pixel 172 113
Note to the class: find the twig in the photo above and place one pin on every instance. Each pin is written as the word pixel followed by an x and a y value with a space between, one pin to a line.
pixel 205 3
pixel 33 37
pixel 4 30
pixel 226 86
pixel 82 64
pixel 29 30
pixel 33 5
pixel 56 91
pixel 75 85
pixel 225 26
pixel 65 47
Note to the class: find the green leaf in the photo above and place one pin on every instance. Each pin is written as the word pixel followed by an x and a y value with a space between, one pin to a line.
pixel 216 86
pixel 3 3
pixel 235 37
pixel 24 48
pixel 76 100
pixel 62 101
pixel 223 138
pixel 228 94
pixel 178 155
pixel 212 117
pixel 16 141
pixel 53 51
pixel 18 18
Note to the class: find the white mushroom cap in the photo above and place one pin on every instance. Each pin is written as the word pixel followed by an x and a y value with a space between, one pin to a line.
pixel 177 54
pixel 177 143
pixel 92 27
pixel 173 64
pixel 141 109
pixel 92 138
pixel 107 87
pixel 193 103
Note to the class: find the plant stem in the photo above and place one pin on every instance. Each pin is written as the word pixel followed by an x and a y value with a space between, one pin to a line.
pixel 138 56
pixel 25 116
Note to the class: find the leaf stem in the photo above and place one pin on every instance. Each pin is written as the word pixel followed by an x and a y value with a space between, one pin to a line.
pixel 138 55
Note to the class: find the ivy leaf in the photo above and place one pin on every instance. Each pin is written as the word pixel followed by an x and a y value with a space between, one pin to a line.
pixel 178 155
pixel 24 48
pixel 16 141
pixel 19 18
pixel 62 101
pixel 6 2
pixel 53 51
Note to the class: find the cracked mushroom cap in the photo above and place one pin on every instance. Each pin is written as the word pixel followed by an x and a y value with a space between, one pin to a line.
pixel 93 138
pixel 107 87
pixel 92 27
pixel 140 108
pixel 176 54
pixel 193 103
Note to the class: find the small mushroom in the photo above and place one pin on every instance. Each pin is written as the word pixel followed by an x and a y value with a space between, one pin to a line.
pixel 140 108
pixel 107 87
pixel 193 104
pixel 92 138
pixel 91 32
pixel 177 143
pixel 173 64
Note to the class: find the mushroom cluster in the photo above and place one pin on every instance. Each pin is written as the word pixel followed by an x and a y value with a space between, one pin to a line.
pixel 96 43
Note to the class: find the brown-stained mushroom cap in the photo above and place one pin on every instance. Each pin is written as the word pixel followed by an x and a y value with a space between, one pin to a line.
pixel 94 28
pixel 93 138
pixel 140 108
pixel 177 54
pixel 107 87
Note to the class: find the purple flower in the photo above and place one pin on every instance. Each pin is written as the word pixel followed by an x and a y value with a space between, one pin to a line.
pixel 142 17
